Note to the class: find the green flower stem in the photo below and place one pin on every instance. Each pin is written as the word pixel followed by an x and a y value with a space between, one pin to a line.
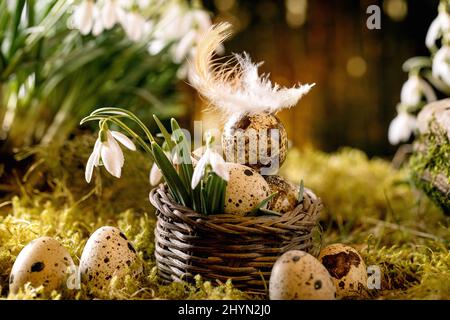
pixel 125 113
pixel 122 125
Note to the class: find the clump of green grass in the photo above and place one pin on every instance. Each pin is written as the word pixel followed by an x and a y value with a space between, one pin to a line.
pixel 368 205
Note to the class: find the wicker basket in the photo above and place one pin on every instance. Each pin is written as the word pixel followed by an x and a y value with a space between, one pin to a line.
pixel 222 247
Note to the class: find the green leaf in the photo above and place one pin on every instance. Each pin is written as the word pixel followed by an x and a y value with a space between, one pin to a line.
pixel 167 136
pixel 171 176
pixel 183 150
pixel 262 204
pixel 215 191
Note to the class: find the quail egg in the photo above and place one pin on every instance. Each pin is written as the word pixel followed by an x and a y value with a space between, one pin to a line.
pixel 297 275
pixel 247 139
pixel 347 269
pixel 286 198
pixel 107 254
pixel 43 262
pixel 246 188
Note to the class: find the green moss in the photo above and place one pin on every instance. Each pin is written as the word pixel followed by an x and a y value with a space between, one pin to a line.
pixel 434 159
pixel 368 205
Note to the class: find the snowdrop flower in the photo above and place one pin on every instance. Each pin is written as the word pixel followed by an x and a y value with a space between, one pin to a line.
pixel 155 175
pixel 195 23
pixel 110 13
pixel 441 65
pixel 107 152
pixel 83 17
pixel 184 46
pixel 401 128
pixel 217 163
pixel 414 89
pixel 438 27
pixel 134 25
pixel 98 27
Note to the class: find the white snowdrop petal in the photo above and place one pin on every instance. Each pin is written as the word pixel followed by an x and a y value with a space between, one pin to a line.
pixel 123 139
pixel 109 14
pixel 84 17
pixel 93 161
pixel 410 94
pixel 155 175
pixel 401 128
pixel 441 65
pixel 112 156
pixel 202 19
pixel 200 169
pixel 183 47
pixel 156 46
pixel 433 32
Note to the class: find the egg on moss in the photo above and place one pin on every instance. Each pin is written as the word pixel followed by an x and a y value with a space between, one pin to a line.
pixel 43 262
pixel 286 198
pixel 246 189
pixel 347 269
pixel 107 254
pixel 297 275
pixel 244 135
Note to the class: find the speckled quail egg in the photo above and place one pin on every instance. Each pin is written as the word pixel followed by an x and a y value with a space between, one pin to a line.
pixel 286 198
pixel 107 254
pixel 43 262
pixel 297 275
pixel 246 188
pixel 346 268
pixel 244 136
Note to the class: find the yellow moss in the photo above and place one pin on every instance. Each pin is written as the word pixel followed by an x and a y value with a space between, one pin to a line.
pixel 368 205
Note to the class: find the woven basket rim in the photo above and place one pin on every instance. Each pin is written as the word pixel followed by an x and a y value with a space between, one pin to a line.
pixel 160 197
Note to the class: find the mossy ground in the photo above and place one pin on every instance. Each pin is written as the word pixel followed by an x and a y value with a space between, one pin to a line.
pixel 368 205
pixel 434 159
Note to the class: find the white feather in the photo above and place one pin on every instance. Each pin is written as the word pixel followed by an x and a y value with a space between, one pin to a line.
pixel 238 89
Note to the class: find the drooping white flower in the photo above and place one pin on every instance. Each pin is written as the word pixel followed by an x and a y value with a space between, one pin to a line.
pixel 195 23
pixel 184 46
pixel 441 65
pixel 134 25
pixel 401 128
pixel 414 89
pixel 108 153
pixel 98 27
pixel 217 163
pixel 438 27
pixel 237 88
pixel 155 175
pixel 110 13
pixel 83 17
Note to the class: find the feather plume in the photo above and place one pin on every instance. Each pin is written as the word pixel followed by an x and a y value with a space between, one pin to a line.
pixel 235 87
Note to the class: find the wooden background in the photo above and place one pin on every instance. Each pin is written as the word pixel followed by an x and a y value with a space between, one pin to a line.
pixel 357 71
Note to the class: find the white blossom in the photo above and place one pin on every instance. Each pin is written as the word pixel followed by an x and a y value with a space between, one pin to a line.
pixel 83 17
pixel 108 153
pixel 98 27
pixel 441 65
pixel 155 175
pixel 110 13
pixel 414 89
pixel 134 26
pixel 401 128
pixel 438 27
pixel 217 163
